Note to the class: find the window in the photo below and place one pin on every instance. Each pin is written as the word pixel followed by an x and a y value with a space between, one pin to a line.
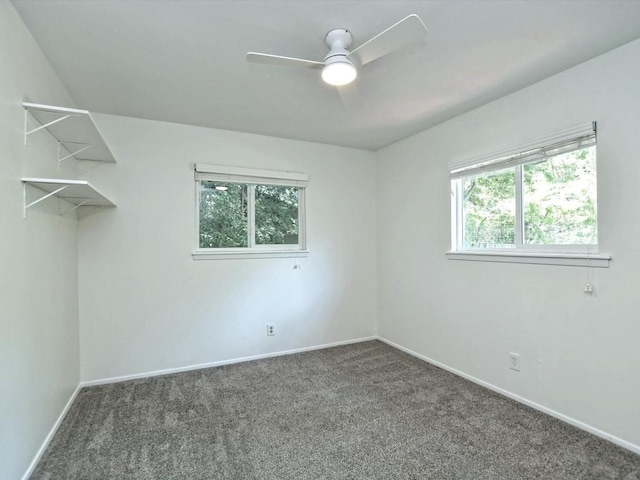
pixel 539 198
pixel 246 212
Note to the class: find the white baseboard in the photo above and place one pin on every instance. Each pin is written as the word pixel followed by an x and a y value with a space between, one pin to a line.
pixel 52 432
pixel 576 423
pixel 220 363
pixel 572 421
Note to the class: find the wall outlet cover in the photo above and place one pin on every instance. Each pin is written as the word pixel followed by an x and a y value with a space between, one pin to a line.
pixel 514 361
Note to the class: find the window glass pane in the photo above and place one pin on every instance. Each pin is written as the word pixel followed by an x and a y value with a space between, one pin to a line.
pixel 223 215
pixel 276 215
pixel 560 200
pixel 489 210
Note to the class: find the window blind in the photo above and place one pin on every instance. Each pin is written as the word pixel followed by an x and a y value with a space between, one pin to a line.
pixel 531 152
pixel 220 173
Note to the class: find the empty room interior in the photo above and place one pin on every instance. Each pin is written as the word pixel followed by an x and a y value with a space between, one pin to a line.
pixel 315 239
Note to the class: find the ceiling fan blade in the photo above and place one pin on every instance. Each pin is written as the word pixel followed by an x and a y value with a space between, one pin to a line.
pixel 282 61
pixel 407 31
pixel 350 97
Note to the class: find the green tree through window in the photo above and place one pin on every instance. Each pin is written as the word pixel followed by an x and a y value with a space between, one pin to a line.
pixel 490 210
pixel 223 215
pixel 559 200
pixel 227 208
pixel 559 203
pixel 276 215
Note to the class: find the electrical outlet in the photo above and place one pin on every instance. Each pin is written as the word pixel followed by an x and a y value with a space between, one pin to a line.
pixel 514 361
pixel 271 329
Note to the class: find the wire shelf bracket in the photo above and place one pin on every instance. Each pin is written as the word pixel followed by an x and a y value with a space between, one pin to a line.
pixel 80 193
pixel 75 131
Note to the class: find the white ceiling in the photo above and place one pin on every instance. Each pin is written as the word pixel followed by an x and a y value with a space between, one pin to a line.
pixel 184 61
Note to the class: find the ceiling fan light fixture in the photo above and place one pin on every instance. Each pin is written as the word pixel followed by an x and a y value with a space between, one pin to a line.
pixel 339 73
pixel 338 67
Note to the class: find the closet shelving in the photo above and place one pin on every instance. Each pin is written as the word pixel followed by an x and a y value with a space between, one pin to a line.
pixel 78 138
pixel 80 193
pixel 74 129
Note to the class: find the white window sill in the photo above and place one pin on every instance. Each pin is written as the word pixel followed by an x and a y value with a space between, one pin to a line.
pixel 541 258
pixel 209 255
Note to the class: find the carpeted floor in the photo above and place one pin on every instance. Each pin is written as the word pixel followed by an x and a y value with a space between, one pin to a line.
pixel 364 411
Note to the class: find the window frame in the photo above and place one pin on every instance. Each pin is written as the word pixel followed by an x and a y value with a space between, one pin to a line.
pixel 514 158
pixel 251 178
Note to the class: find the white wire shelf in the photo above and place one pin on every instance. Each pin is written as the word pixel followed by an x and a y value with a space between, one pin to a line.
pixel 77 192
pixel 74 129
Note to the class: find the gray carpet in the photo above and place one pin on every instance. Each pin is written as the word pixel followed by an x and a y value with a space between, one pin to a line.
pixel 364 411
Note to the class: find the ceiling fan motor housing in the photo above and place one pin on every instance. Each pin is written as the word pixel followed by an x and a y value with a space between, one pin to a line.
pixel 338 70
pixel 338 40
pixel 339 65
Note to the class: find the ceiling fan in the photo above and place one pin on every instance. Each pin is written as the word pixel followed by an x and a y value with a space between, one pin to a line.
pixel 339 65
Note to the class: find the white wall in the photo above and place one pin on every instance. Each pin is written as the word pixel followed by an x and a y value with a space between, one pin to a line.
pixel 146 305
pixel 579 353
pixel 39 351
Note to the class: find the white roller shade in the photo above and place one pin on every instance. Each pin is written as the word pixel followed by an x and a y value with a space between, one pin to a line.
pixel 221 173
pixel 532 152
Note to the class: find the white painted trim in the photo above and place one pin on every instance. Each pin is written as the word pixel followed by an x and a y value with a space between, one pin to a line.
pixel 52 432
pixel 53 109
pixel 540 258
pixel 248 253
pixel 576 423
pixel 156 373
pixel 90 383
pixel 531 144
pixel 227 171
pixel 541 408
